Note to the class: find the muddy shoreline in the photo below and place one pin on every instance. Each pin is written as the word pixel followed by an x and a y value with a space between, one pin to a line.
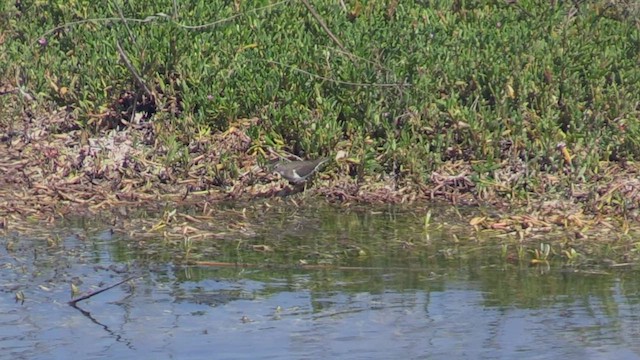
pixel 51 169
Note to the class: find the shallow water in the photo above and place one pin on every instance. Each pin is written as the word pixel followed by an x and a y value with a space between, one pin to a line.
pixel 414 305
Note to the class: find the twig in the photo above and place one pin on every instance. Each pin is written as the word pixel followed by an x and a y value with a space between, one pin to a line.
pixel 299 266
pixel 326 28
pixel 133 72
pixel 339 82
pixel 198 27
pixel 84 297
pixel 155 17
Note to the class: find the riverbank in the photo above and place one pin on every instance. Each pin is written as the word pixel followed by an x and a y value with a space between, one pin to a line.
pixel 526 112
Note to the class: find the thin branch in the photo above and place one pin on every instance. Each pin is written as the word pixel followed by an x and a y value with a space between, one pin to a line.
pixel 126 25
pixel 292 68
pixel 106 20
pixel 155 17
pixel 197 27
pixel 325 27
pixel 133 71
pixel 74 302
pixel 299 266
pixel 374 63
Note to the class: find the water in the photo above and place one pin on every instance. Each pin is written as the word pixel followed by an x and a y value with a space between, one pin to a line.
pixel 412 305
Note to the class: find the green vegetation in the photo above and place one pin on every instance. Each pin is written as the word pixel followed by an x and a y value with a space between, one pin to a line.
pixel 402 88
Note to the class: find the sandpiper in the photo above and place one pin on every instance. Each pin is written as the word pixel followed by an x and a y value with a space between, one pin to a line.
pixel 298 171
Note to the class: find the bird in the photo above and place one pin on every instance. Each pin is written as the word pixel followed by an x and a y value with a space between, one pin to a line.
pixel 298 171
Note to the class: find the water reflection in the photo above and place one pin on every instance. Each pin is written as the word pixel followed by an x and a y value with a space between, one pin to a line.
pixel 407 305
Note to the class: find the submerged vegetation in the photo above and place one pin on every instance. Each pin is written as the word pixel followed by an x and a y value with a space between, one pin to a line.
pixel 527 103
